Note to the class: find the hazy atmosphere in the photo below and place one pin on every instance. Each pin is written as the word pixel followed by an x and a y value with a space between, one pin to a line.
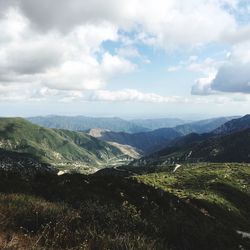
pixel 125 58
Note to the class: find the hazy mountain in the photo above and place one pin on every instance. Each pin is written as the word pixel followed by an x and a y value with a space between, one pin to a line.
pixel 228 143
pixel 153 124
pixel 203 126
pixel 231 126
pixel 234 125
pixel 82 123
pixel 152 141
pixel 146 142
pixel 54 146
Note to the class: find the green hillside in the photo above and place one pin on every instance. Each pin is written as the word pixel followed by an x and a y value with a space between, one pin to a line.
pixel 57 147
pixel 202 206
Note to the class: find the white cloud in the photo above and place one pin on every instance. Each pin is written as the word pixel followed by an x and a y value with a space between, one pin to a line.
pixel 233 78
pixel 202 86
pixel 57 45
pixel 116 64
pixel 232 75
pixel 168 24
pixel 74 75
pixel 72 61
pixel 132 95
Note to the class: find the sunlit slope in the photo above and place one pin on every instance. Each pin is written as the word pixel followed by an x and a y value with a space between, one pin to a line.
pixel 54 146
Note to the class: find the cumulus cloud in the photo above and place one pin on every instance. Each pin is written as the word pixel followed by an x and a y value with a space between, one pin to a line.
pixel 230 76
pixel 72 61
pixel 54 47
pixel 233 78
pixel 166 23
pixel 30 57
pixel 202 86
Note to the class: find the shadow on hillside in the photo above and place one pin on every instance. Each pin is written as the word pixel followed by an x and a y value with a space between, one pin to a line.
pixel 163 216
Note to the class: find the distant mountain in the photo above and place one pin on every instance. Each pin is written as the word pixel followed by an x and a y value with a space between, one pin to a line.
pixel 153 141
pixel 228 143
pixel 203 126
pixel 234 125
pixel 144 142
pixel 231 126
pixel 54 146
pixel 82 123
pixel 153 124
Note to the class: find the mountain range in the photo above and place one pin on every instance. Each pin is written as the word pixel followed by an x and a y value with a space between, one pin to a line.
pixel 234 125
pixel 153 141
pixel 186 196
pixel 228 143
pixel 116 124
pixel 83 123
pixel 98 148
pixel 157 123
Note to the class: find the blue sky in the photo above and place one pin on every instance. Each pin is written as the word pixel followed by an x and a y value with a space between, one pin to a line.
pixel 124 58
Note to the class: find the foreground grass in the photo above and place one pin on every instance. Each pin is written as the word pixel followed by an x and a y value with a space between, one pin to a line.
pixel 197 207
pixel 220 191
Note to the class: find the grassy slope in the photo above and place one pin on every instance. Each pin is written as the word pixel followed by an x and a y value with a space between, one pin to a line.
pixel 53 146
pixel 220 191
pixel 197 207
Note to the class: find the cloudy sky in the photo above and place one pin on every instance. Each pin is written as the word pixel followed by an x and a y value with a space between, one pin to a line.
pixel 125 57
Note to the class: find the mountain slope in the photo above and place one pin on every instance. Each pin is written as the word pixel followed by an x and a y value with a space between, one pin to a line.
pixel 234 147
pixel 55 146
pixel 232 126
pixel 82 123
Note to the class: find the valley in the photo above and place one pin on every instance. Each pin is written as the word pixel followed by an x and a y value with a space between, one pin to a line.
pixel 99 189
pixel 63 149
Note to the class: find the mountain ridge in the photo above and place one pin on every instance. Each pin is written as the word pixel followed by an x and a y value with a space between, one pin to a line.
pixel 83 123
pixel 222 144
pixel 153 141
pixel 55 146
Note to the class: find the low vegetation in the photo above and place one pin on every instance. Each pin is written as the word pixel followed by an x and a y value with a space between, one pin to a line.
pixel 197 207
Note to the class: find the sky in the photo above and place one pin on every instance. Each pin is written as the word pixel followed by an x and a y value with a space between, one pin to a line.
pixel 128 58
